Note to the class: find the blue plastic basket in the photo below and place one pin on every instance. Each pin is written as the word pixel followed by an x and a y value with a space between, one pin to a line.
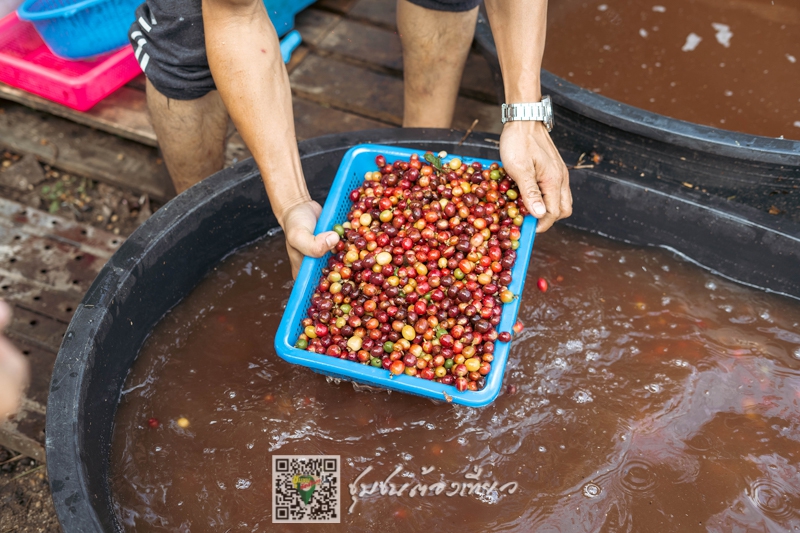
pixel 77 29
pixel 357 161
pixel 282 13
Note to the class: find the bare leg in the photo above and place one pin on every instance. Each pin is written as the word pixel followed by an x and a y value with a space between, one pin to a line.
pixel 435 49
pixel 191 134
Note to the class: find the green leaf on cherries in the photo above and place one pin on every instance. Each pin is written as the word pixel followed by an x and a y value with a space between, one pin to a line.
pixel 435 161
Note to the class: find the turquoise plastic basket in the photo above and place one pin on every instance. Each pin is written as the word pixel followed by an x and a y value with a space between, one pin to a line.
pixel 356 162
pixel 79 29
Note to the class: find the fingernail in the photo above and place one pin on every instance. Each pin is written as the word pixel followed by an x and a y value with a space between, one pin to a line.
pixel 331 240
pixel 539 209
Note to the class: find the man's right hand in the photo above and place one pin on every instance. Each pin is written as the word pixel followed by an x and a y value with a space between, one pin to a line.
pixel 298 224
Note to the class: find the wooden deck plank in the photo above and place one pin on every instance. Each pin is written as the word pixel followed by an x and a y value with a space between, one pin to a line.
pixel 85 151
pixel 24 432
pixel 380 12
pixel 36 330
pixel 22 220
pixel 378 96
pixel 368 45
pixel 314 24
pixel 41 363
pixel 365 42
pixel 39 297
pixel 337 6
pixel 123 112
pixel 313 119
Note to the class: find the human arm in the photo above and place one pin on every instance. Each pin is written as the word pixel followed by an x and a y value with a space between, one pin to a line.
pixel 527 152
pixel 245 61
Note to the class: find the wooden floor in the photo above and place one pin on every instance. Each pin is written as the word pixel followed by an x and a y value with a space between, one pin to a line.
pixel 347 75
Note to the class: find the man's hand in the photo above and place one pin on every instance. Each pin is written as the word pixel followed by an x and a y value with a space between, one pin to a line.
pixel 531 159
pixel 13 370
pixel 298 224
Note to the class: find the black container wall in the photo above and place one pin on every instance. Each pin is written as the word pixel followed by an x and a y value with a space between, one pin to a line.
pixel 165 258
pixel 757 171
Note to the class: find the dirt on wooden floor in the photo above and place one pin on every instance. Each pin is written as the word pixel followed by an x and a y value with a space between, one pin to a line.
pixel 25 503
pixel 25 180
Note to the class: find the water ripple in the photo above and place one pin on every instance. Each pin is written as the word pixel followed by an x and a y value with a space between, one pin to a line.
pixel 769 497
pixel 638 476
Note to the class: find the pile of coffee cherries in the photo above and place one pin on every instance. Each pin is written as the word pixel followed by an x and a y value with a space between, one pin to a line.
pixel 417 283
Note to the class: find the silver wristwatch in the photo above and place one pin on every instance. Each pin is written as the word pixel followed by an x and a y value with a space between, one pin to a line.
pixel 540 111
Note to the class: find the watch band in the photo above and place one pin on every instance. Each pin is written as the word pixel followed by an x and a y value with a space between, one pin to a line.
pixel 534 111
pixel 538 111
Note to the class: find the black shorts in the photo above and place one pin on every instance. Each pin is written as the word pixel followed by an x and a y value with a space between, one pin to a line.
pixel 169 43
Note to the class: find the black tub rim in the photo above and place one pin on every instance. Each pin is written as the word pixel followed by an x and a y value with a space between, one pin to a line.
pixel 651 125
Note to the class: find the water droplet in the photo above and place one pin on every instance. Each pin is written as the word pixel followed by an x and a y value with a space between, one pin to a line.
pixel 542 449
pixel 796 353
pixel 710 285
pixel 582 397
pixel 242 484
pixel 602 7
pixel 590 490
pixel 655 388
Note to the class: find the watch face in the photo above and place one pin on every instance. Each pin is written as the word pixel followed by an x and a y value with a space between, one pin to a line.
pixel 548 112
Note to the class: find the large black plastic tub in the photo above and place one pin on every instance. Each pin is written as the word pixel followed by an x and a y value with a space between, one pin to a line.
pixel 758 171
pixel 165 258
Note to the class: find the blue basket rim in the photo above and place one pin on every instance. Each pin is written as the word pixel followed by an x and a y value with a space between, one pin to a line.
pixel 284 345
pixel 67 11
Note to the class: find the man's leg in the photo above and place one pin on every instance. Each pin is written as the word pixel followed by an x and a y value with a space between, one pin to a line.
pixel 191 134
pixel 435 48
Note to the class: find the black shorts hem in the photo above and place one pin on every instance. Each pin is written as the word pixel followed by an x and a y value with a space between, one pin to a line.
pixel 447 5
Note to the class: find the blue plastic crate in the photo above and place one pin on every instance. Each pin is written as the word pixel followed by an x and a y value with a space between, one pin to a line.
pixel 357 161
pixel 78 29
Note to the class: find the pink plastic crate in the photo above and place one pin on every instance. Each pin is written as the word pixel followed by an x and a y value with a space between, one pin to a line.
pixel 27 63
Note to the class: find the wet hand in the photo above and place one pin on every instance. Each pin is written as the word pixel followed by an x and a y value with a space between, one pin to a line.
pixel 298 224
pixel 532 160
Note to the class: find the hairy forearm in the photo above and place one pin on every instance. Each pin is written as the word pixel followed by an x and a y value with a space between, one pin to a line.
pixel 519 28
pixel 245 60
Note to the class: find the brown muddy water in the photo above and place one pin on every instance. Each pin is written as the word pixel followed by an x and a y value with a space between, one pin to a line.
pixel 646 395
pixel 730 64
